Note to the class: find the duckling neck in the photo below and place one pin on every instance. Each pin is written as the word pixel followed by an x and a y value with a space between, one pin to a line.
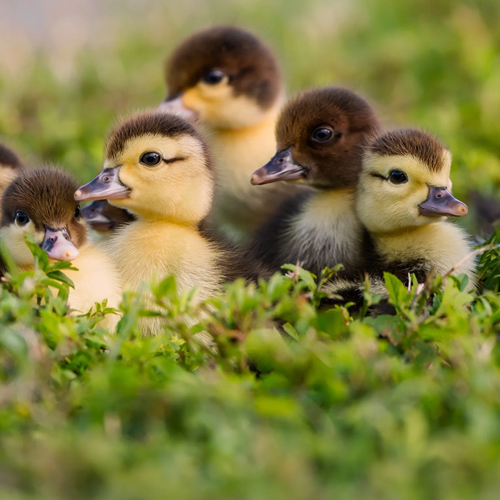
pixel 326 205
pixel 268 122
pixel 241 151
pixel 328 224
pixel 442 244
pixel 166 221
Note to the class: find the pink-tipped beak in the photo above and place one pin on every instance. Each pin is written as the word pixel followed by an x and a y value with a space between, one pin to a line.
pixel 58 246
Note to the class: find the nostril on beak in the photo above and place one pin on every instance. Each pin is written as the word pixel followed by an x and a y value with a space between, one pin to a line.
pixel 105 179
pixel 280 160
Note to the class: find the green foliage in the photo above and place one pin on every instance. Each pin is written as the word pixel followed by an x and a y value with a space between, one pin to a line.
pixel 291 399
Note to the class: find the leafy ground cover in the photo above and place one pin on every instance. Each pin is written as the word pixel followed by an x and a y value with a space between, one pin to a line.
pixel 296 402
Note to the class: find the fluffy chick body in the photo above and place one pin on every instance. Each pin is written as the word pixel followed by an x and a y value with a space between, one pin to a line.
pixel 318 228
pixel 44 198
pixel 231 81
pixel 169 199
pixel 395 214
pixel 402 201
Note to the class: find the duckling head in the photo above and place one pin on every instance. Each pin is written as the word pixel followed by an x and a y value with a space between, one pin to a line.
pixel 405 183
pixel 156 166
pixel 40 203
pixel 225 76
pixel 321 136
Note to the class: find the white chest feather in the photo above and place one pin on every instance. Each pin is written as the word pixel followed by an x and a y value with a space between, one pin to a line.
pixel 327 227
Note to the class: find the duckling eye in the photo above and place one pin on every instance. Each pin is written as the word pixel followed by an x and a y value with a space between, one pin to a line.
pixel 213 77
pixel 322 134
pixel 21 218
pixel 398 177
pixel 150 159
pixel 78 212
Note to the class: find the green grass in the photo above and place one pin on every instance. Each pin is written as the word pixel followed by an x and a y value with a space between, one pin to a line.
pixel 403 407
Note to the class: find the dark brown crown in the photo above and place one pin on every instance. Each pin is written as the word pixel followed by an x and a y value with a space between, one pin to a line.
pixel 336 163
pixel 411 142
pixel 148 123
pixel 9 159
pixel 250 65
pixel 46 196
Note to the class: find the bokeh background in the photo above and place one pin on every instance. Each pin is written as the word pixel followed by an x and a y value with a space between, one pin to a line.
pixel 69 69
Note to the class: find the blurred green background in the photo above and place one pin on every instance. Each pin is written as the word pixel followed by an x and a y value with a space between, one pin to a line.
pixel 68 69
pixel 336 413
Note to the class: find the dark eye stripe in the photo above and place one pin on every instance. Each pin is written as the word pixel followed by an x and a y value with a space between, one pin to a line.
pixel 380 176
pixel 174 159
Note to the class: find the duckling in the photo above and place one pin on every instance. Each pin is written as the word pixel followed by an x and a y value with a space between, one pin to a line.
pixel 158 168
pixel 321 138
pixel 403 201
pixel 103 218
pixel 231 82
pixel 40 203
pixel 10 167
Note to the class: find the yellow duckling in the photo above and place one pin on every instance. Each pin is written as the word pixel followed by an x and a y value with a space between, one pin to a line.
pixel 157 167
pixel 231 82
pixel 403 200
pixel 40 203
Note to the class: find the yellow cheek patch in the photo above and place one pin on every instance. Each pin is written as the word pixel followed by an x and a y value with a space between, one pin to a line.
pixel 192 99
pixel 220 108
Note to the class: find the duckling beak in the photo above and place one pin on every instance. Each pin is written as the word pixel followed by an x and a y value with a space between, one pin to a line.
pixel 94 215
pixel 57 244
pixel 441 203
pixel 280 167
pixel 106 186
pixel 175 106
